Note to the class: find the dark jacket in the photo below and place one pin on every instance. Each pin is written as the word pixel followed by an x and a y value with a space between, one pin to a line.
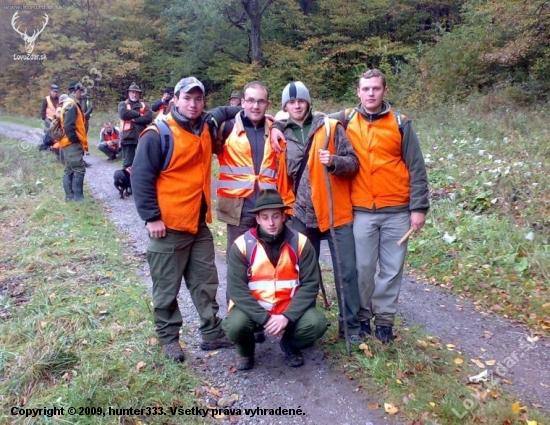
pixel 148 162
pixel 139 121
pixel 345 164
pixel 237 278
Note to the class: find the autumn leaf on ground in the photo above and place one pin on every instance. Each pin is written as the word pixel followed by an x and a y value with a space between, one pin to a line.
pixel 373 406
pixel 490 362
pixel 458 360
pixel 140 366
pixel 478 363
pixel 391 408
pixel 153 341
pixel 366 350
pixel 518 408
pixel 450 347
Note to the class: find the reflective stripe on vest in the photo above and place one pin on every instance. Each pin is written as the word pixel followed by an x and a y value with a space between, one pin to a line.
pixel 237 178
pixel 273 287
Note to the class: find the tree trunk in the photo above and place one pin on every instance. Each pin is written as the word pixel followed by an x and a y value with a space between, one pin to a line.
pixel 254 11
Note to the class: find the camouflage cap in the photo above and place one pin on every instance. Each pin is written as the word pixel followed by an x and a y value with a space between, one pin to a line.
pixel 189 83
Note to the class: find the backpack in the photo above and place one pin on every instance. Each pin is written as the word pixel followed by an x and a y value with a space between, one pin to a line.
pixel 166 142
pixel 399 118
pixel 56 130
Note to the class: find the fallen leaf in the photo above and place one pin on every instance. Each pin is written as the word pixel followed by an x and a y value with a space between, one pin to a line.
pixel 533 339
pixel 140 366
pixel 373 406
pixel 399 382
pixel 22 401
pixel 490 362
pixel 458 360
pixel 390 408
pixel 219 416
pixel 516 407
pixel 366 350
pixel 100 291
pixel 211 353
pixel 422 343
pixel 478 363
pixel 450 347
pixel 432 404
pixel 531 422
pixel 153 341
pixel 232 369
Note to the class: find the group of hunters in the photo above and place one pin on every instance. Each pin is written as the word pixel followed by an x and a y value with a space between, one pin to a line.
pixel 355 177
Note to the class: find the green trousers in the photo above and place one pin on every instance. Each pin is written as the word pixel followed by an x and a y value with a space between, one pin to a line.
pixel 191 257
pixel 239 328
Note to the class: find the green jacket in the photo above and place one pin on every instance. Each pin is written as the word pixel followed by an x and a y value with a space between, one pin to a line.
pixel 237 278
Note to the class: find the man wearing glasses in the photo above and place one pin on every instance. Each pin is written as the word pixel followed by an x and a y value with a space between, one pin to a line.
pixel 247 163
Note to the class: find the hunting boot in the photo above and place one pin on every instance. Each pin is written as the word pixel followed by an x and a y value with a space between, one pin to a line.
pixel 78 187
pixel 68 187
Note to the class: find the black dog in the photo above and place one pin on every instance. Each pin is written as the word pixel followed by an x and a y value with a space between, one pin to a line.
pixel 122 181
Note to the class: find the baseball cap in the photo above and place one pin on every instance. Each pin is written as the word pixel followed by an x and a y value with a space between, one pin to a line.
pixel 54 87
pixel 187 84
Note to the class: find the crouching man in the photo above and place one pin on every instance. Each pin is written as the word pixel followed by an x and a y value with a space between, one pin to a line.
pixel 272 281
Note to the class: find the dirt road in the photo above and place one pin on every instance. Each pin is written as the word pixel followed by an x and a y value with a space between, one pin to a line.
pixel 326 396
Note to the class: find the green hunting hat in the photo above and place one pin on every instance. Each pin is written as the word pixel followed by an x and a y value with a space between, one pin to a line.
pixel 235 95
pixel 268 199
pixel 134 87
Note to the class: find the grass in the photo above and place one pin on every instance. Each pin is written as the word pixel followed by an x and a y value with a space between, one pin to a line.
pixel 488 233
pixel 76 327
pixel 422 378
pixel 486 239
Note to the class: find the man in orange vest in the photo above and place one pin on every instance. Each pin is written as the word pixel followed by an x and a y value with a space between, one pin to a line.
pixel 109 141
pixel 73 144
pixel 315 142
pixel 134 115
pixel 247 163
pixel 273 279
pixel 162 106
pixel 47 113
pixel 390 196
pixel 171 187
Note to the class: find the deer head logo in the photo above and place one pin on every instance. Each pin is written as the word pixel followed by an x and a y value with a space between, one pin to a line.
pixel 29 40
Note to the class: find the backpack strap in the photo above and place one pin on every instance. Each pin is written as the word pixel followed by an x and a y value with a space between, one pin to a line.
pixel 349 114
pixel 166 142
pixel 251 246
pixel 398 117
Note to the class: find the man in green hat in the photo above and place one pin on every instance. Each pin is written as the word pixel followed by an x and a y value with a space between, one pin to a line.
pixel 134 115
pixel 283 307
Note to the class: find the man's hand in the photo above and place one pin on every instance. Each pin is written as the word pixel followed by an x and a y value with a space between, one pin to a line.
pixel 276 325
pixel 156 229
pixel 417 220
pixel 275 136
pixel 326 158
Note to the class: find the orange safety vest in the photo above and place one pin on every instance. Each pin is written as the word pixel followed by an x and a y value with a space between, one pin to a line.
pixel 50 108
pixel 128 125
pixel 383 179
pixel 341 186
pixel 80 124
pixel 273 287
pixel 163 112
pixel 237 177
pixel 110 137
pixel 186 179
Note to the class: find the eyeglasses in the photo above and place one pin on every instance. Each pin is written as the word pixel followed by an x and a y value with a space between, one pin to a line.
pixel 260 102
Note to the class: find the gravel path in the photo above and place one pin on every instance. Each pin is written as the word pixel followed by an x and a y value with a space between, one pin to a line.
pixel 326 396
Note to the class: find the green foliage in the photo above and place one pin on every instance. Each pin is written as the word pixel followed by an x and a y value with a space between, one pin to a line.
pixel 432 51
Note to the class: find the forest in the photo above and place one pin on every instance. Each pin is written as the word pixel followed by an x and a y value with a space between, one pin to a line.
pixel 433 51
